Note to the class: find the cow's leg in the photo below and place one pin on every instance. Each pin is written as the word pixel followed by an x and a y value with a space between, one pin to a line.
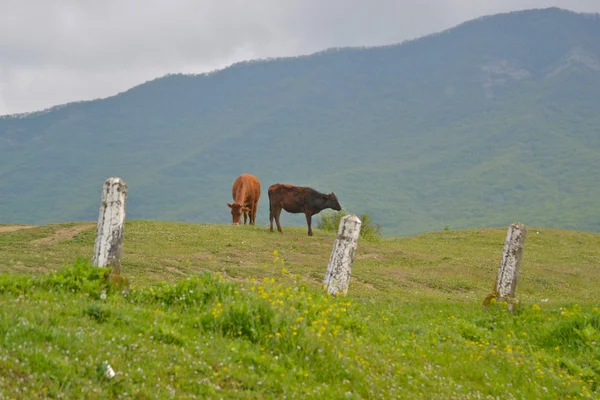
pixel 245 216
pixel 271 215
pixel 308 222
pixel 277 215
pixel 254 209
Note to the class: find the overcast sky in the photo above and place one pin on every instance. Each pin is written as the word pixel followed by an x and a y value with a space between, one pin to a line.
pixel 53 52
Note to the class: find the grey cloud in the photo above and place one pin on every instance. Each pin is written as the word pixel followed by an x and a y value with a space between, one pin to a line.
pixel 67 50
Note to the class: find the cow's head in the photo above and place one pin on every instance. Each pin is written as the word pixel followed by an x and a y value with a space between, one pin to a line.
pixel 237 210
pixel 332 202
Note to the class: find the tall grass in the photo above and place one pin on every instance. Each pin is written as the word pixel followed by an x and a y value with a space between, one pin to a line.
pixel 207 337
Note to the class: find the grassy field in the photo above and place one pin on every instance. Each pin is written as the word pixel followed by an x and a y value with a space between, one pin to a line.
pixel 218 311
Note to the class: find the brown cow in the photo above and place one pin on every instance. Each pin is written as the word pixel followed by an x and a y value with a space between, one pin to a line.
pixel 295 200
pixel 245 192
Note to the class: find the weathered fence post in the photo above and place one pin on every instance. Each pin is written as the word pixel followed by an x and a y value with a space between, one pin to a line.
pixel 337 278
pixel 506 282
pixel 109 237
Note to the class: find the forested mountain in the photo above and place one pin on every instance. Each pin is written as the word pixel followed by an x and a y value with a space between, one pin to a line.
pixel 490 122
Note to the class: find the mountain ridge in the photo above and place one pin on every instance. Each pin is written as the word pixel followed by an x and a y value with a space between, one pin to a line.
pixel 316 53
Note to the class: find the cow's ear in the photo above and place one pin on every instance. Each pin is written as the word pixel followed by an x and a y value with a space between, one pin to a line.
pixel 230 205
pixel 245 209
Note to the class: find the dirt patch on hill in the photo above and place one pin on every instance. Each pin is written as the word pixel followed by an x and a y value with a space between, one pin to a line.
pixel 63 234
pixel 12 228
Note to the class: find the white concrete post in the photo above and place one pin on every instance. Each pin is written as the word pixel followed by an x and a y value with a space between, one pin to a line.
pixel 337 278
pixel 508 273
pixel 109 237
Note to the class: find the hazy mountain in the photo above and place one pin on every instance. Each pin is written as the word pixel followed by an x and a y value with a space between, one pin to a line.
pixel 493 121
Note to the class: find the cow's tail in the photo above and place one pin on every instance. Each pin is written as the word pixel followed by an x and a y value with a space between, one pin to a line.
pixel 270 194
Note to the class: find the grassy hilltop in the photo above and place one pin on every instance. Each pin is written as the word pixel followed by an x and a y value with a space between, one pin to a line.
pixel 217 311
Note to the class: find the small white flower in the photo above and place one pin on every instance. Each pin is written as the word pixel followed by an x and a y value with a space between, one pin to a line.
pixel 109 372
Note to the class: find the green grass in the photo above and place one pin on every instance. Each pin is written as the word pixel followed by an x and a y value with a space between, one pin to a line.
pixel 217 311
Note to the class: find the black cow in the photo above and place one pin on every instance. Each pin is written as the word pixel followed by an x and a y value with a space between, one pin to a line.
pixel 297 199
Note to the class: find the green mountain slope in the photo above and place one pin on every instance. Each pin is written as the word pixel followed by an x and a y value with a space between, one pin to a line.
pixel 490 122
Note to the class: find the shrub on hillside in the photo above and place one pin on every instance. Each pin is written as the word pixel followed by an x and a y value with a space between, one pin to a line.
pixel 330 221
pixel 81 277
